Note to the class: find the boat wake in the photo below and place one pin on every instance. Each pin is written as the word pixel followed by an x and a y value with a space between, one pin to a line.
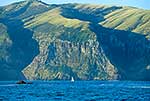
pixel 8 85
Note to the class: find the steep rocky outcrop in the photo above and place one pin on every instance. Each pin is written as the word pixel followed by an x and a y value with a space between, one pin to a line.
pixel 63 60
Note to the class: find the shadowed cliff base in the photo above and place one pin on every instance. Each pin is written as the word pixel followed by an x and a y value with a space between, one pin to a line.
pixel 127 51
pixel 22 51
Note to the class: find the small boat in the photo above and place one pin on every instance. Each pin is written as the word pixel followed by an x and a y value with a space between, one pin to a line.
pixel 23 82
pixel 72 79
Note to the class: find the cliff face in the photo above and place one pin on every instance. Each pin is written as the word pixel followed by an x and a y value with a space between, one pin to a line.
pixel 64 56
pixel 56 42
pixel 63 60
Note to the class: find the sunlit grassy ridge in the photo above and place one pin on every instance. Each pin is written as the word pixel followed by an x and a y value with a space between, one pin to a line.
pixel 54 17
pixel 129 19
pixel 68 29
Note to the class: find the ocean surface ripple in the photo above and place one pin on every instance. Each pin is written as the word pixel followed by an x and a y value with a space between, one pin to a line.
pixel 75 91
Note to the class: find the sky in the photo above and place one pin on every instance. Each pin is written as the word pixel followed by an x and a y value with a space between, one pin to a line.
pixel 145 4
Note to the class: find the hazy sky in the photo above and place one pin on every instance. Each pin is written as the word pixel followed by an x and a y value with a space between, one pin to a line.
pixel 136 3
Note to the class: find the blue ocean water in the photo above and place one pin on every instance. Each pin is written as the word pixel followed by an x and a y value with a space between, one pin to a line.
pixel 75 91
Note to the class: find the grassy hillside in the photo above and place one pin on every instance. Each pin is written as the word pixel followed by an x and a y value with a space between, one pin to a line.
pixel 129 19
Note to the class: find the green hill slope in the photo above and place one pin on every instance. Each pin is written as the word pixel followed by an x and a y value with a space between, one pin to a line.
pixel 84 41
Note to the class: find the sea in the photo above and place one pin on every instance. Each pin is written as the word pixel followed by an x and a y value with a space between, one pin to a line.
pixel 75 91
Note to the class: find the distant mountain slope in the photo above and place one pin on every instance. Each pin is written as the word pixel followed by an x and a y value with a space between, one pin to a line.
pixel 129 19
pixel 83 41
